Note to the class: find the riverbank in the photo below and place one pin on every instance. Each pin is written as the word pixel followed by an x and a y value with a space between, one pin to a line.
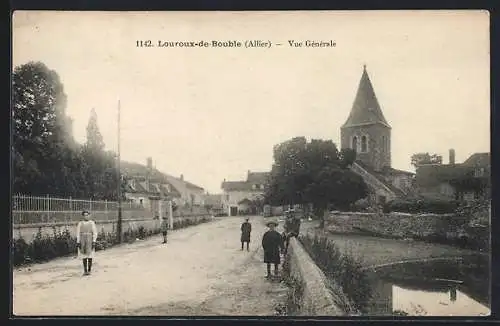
pixel 373 251
pixel 462 231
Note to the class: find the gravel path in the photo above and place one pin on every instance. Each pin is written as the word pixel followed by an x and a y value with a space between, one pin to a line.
pixel 201 271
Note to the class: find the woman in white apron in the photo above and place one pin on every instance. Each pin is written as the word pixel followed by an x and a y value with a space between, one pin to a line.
pixel 86 237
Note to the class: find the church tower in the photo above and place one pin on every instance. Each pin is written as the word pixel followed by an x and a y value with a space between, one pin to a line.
pixel 366 130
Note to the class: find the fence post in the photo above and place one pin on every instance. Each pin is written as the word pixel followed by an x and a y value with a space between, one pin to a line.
pixel 70 209
pixel 106 209
pixel 90 208
pixel 48 208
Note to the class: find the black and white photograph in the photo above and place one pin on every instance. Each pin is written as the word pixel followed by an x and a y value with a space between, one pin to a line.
pixel 259 163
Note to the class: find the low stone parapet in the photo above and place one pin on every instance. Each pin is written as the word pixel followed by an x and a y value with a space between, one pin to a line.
pixel 317 298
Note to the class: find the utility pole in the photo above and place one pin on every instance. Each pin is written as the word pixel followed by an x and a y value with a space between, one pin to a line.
pixel 119 225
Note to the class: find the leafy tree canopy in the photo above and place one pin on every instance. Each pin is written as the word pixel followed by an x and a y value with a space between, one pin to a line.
pixel 425 158
pixel 46 159
pixel 313 172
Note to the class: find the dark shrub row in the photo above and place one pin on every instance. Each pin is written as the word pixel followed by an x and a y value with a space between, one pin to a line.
pixel 340 269
pixel 60 243
pixel 421 205
pixel 295 292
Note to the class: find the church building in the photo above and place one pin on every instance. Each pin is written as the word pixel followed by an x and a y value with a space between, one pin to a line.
pixel 368 133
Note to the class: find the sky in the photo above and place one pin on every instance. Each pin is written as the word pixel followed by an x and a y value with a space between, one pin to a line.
pixel 215 113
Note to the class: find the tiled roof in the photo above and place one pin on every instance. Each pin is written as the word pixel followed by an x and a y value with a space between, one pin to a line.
pixel 213 200
pixel 396 171
pixel 430 175
pixel 258 177
pixel 380 177
pixel 192 186
pixel 478 159
pixel 365 109
pixel 236 186
pixel 139 172
pixel 253 178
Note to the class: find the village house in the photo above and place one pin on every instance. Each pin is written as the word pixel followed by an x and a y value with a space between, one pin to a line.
pixel 147 186
pixel 467 181
pixel 368 133
pixel 214 203
pixel 238 196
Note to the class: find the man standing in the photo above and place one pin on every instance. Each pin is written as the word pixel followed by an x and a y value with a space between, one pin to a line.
pixel 272 244
pixel 246 229
pixel 86 237
pixel 164 229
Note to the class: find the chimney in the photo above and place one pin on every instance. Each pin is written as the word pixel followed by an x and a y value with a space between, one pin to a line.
pixel 149 163
pixel 452 156
pixel 182 177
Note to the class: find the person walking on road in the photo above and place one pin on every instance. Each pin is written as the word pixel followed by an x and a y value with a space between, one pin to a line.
pixel 246 229
pixel 86 237
pixel 164 229
pixel 272 244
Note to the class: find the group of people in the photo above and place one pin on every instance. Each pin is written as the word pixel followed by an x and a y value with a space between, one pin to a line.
pixel 273 243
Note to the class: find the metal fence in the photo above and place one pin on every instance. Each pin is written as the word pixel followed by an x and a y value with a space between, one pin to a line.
pixel 32 209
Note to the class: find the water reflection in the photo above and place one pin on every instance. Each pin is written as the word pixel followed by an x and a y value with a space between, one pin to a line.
pixel 432 289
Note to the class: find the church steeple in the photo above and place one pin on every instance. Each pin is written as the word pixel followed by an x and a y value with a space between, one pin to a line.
pixel 365 109
pixel 366 130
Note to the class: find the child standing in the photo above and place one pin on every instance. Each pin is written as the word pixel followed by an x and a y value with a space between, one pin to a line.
pixel 246 229
pixel 164 229
pixel 86 237
pixel 272 244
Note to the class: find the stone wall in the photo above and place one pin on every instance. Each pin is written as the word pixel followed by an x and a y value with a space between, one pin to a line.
pixel 443 228
pixel 28 231
pixel 317 298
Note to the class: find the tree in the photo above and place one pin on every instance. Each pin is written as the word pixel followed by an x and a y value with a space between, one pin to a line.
pixel 94 142
pixel 257 204
pixel 41 131
pixel 425 158
pixel 313 172
pixel 347 157
pixel 467 182
pixel 46 158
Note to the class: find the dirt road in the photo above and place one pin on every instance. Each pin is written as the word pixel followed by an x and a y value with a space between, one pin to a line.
pixel 201 271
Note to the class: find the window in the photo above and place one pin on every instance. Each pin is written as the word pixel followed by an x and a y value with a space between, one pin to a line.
pixel 141 201
pixel 479 172
pixel 355 143
pixel 384 144
pixel 364 144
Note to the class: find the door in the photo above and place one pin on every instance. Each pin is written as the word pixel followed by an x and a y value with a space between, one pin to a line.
pixel 234 210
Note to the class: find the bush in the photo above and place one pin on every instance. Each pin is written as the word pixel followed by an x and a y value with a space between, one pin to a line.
pixel 421 205
pixel 294 294
pixel 340 269
pixel 361 205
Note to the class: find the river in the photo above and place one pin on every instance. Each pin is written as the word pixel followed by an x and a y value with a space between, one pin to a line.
pixel 444 287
